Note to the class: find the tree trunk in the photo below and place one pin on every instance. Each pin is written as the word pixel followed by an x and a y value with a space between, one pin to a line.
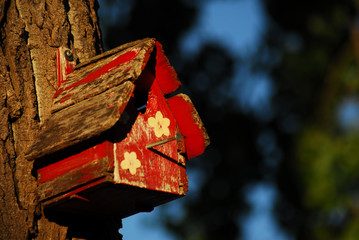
pixel 30 33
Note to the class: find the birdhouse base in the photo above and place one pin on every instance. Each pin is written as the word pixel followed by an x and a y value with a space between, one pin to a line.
pixel 84 183
pixel 120 201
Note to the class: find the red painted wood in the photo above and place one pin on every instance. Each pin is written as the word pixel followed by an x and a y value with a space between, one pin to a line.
pixel 187 120
pixel 111 66
pixel 155 171
pixel 63 66
pixel 165 74
pixel 75 161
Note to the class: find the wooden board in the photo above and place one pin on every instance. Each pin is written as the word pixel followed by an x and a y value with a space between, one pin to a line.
pixel 103 72
pixel 82 121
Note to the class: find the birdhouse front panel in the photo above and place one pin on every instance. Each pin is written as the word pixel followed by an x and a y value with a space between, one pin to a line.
pixel 160 167
pixel 114 144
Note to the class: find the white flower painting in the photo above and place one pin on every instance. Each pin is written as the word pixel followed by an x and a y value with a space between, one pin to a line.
pixel 130 162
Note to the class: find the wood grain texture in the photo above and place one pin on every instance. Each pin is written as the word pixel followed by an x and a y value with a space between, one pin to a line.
pixel 85 28
pixel 103 72
pixel 84 174
pixel 82 121
pixel 30 35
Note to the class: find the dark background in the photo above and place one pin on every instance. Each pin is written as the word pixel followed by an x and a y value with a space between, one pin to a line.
pixel 303 140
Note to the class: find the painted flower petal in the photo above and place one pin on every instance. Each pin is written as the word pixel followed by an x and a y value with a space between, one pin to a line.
pixel 166 131
pixel 159 115
pixel 132 156
pixel 152 122
pixel 130 162
pixel 165 122
pixel 159 124
pixel 158 132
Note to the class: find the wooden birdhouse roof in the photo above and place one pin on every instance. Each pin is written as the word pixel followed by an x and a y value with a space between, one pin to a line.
pixel 91 99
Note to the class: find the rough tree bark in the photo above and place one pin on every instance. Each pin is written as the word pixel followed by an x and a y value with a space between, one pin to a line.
pixel 30 33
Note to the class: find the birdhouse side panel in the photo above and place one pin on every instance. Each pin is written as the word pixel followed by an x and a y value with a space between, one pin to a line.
pixel 76 170
pixel 75 161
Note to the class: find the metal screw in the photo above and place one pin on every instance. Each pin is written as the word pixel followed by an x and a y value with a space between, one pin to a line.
pixel 69 56
pixel 178 137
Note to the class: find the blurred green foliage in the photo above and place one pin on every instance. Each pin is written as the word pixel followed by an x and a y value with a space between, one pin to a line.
pixel 318 176
pixel 310 53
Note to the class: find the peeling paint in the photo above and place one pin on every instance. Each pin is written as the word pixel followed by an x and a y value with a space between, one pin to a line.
pixel 116 170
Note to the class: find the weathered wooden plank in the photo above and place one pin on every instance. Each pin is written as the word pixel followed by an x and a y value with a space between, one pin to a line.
pixel 50 170
pixel 82 175
pixel 82 121
pixel 118 49
pixel 103 72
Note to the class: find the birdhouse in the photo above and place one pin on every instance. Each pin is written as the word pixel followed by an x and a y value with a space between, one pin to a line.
pixel 115 144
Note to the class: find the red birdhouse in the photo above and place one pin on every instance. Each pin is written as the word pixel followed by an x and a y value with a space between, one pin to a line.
pixel 114 144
